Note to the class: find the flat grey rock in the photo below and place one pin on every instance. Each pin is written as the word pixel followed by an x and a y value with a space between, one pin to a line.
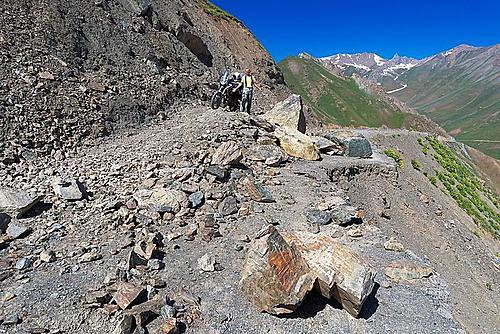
pixel 16 230
pixel 17 202
pixel 318 217
pixel 70 190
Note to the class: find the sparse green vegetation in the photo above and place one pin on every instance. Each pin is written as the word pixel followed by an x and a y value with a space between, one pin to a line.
pixel 213 10
pixel 433 180
pixel 465 188
pixel 464 102
pixel 425 147
pixel 396 156
pixel 416 165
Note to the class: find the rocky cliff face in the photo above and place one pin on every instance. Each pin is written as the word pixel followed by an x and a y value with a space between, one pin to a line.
pixel 78 69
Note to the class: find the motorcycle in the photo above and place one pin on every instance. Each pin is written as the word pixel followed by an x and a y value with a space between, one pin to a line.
pixel 224 96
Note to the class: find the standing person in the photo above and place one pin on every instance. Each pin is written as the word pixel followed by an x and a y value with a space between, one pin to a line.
pixel 248 83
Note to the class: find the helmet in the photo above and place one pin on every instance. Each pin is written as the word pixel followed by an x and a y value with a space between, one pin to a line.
pixel 237 76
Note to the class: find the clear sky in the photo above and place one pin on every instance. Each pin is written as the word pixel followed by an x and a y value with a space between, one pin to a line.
pixel 410 28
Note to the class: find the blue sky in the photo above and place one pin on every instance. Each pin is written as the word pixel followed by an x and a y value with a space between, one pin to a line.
pixel 409 28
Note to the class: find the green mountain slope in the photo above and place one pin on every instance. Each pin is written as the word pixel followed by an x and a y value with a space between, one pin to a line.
pixel 459 89
pixel 461 92
pixel 336 99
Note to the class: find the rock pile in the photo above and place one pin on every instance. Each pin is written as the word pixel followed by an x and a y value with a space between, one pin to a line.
pixel 143 226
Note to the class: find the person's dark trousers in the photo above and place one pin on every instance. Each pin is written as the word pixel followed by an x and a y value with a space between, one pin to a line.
pixel 246 100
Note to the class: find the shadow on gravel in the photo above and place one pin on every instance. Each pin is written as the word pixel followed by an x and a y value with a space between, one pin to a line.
pixel 182 328
pixel 37 209
pixel 315 303
pixel 312 305
pixel 371 304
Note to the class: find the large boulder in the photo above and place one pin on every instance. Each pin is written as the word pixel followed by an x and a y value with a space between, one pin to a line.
pixel 280 269
pixel 297 144
pixel 17 202
pixel 341 273
pixel 288 114
pixel 356 145
pixel 275 278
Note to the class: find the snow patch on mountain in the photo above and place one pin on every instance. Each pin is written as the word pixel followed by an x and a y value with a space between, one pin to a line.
pixel 363 67
pixel 390 71
pixel 379 60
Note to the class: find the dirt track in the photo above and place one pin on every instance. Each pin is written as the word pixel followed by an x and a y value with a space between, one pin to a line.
pixel 47 295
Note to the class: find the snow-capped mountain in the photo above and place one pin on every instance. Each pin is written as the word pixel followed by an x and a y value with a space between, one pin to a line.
pixel 370 65
pixel 361 61
pixel 459 88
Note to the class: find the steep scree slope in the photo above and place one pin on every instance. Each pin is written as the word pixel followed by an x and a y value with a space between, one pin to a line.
pixel 76 69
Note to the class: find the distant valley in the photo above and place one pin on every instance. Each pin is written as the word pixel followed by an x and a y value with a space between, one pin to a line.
pixel 459 89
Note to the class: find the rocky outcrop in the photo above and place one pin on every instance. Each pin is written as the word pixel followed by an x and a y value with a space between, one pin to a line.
pixel 288 114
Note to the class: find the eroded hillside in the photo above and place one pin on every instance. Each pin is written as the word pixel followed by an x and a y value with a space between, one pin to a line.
pixel 78 69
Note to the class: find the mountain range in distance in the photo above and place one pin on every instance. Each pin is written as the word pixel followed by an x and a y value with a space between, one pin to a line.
pixel 459 89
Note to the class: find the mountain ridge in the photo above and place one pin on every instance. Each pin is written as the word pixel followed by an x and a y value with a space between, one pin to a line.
pixel 342 101
pixel 458 88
